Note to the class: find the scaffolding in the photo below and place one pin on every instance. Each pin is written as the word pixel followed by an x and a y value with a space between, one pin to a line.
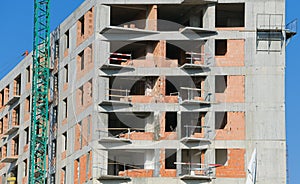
pixel 269 32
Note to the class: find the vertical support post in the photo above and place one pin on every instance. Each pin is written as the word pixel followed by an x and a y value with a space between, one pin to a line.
pixel 39 115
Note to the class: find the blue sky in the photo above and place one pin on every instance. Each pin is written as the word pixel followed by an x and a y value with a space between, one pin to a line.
pixel 16 34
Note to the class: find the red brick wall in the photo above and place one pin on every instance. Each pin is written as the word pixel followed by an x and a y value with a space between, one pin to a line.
pixel 234 56
pixel 235 91
pixel 88 26
pixel 234 129
pixel 235 167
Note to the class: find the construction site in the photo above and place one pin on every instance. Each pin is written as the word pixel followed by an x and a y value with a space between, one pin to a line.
pixel 147 92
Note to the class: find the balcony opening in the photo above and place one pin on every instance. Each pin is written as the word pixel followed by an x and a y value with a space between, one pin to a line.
pixel 188 88
pixel 220 47
pixel 137 53
pixel 193 124
pixel 221 83
pixel 174 17
pixel 128 16
pixel 221 156
pixel 170 158
pixel 171 89
pixel 120 125
pixel 122 87
pixel 171 122
pixel 192 162
pixel 131 163
pixel 186 52
pixel 230 15
pixel 221 120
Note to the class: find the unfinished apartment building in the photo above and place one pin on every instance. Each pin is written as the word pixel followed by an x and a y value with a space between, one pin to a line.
pixel 164 91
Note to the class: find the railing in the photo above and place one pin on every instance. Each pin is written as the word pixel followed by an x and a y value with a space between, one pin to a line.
pixel 269 21
pixel 119 57
pixel 194 169
pixel 194 56
pixel 121 93
pixel 121 131
pixel 190 129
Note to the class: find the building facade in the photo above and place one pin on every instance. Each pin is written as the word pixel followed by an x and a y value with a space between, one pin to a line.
pixel 165 91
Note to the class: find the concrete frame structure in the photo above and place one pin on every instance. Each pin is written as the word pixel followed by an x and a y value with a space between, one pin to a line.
pixel 157 92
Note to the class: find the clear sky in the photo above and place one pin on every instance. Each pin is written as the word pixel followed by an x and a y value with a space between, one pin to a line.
pixel 16 32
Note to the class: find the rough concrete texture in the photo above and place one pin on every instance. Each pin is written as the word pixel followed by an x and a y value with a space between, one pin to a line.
pixel 255 117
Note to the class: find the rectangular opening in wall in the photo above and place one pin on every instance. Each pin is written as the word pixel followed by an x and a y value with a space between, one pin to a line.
pixel 81 24
pixel 1 98
pixel 15 145
pixel 81 95
pixel 221 120
pixel 53 148
pixel 17 86
pixel 56 49
pixel 171 121
pixel 54 116
pixel 174 17
pixel 64 141
pixel 81 60
pixel 67 39
pixel 119 124
pixel 65 108
pixel 122 52
pixel 66 74
pixel 170 158
pixel 27 104
pixel 220 83
pixel 221 156
pixel 14 172
pixel 1 126
pixel 220 47
pixel 16 116
pixel 27 136
pixel 230 15
pixel 77 169
pixel 28 71
pixel 25 169
pixel 63 175
pixel 128 16
pixel 192 123
pixel 55 83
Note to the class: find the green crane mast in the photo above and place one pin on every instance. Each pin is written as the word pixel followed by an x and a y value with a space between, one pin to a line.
pixel 40 83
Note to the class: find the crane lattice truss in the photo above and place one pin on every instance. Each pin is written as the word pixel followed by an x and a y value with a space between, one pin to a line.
pixel 40 83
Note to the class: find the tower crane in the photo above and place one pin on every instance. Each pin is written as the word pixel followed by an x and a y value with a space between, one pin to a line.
pixel 40 88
